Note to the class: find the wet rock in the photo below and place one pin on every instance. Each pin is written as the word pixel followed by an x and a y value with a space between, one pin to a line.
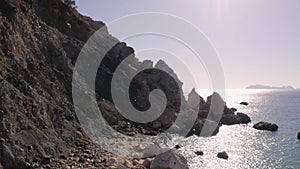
pixel 244 118
pixel 199 153
pixel 244 103
pixel 169 159
pixel 230 119
pixel 239 118
pixel 298 136
pixel 223 155
pixel 266 126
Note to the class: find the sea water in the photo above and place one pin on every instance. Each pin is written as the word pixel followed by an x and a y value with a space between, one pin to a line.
pixel 246 146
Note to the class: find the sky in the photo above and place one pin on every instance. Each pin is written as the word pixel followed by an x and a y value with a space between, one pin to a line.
pixel 258 42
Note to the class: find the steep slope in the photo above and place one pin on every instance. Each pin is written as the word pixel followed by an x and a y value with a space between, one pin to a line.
pixel 39 43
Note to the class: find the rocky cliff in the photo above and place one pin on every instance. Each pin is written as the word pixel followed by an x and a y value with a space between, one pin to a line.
pixel 40 41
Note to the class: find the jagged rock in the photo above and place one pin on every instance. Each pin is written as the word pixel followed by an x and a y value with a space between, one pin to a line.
pixel 266 126
pixel 213 128
pixel 223 155
pixel 169 159
pixel 244 103
pixel 229 111
pixel 203 113
pixel 194 99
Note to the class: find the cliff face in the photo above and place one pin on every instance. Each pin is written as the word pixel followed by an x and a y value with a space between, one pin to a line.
pixel 39 43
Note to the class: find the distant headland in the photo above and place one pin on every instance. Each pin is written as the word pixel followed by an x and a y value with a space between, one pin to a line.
pixel 258 86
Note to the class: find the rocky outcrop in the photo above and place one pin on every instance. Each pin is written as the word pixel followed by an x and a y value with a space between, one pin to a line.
pixel 198 128
pixel 298 136
pixel 239 118
pixel 169 159
pixel 266 126
pixel 39 44
pixel 223 155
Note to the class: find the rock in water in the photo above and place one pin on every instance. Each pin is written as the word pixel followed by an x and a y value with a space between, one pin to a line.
pixel 169 159
pixel 223 155
pixel 199 153
pixel 244 103
pixel 266 126
pixel 239 118
pixel 298 136
pixel 244 118
pixel 177 146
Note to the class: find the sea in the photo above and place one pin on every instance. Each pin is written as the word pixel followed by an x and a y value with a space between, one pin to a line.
pixel 247 147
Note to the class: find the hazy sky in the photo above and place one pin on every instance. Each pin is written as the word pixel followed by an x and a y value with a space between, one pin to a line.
pixel 258 41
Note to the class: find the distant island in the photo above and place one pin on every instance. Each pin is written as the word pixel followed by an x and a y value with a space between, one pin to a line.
pixel 270 87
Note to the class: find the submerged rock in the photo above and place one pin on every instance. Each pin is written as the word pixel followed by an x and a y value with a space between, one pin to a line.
pixel 266 126
pixel 169 159
pixel 223 155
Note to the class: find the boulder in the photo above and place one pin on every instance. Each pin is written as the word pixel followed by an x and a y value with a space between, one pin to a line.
pixel 177 146
pixel 244 118
pixel 223 155
pixel 244 103
pixel 169 159
pixel 230 119
pixel 199 153
pixel 298 136
pixel 239 118
pixel 266 126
